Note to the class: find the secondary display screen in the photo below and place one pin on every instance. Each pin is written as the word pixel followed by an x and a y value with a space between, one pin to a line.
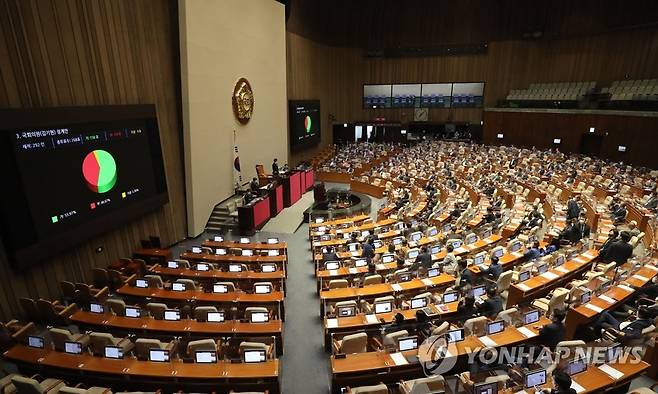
pixel 76 172
pixel 304 124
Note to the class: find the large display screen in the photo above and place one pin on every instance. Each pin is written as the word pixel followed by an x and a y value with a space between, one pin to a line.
pixel 304 124
pixel 73 173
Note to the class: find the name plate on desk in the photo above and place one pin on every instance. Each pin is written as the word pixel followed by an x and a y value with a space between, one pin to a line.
pixel 578 260
pixel 353 270
pixel 626 288
pixel 606 299
pixel 396 287
pixel 523 287
pixel 332 323
pixel 399 359
pixel 333 272
pixel 488 342
pixel 640 277
pixel 594 308
pixel 549 275
pixel 613 373
pixel 526 332
pixel 428 282
pixel 651 267
pixel 380 266
pixel 562 269
pixel 588 255
pixel 577 387
pixel 371 319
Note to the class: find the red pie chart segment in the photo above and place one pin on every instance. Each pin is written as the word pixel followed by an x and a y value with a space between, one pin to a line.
pixel 99 170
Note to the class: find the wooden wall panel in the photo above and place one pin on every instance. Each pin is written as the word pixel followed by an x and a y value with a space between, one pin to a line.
pixel 93 52
pixel 538 129
pixel 336 75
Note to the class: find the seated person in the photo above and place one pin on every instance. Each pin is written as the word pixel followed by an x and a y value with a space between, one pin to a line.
pixel 603 251
pixel 561 384
pixel 619 214
pixel 466 276
pixel 494 270
pixel 424 259
pixel 620 251
pixel 466 308
pixel 534 252
pixel 553 333
pixel 626 330
pixel 329 254
pixel 493 304
pixel 449 263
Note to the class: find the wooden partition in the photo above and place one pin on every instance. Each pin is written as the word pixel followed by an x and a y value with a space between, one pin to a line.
pixel 539 127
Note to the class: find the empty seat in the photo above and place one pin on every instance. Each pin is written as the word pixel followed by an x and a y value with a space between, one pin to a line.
pixel 101 339
pixel 32 386
pixel 156 310
pixel 353 343
pixel 144 345
pixel 60 336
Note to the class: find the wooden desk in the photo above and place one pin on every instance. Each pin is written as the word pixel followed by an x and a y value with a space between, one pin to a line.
pixel 252 245
pixel 213 276
pixel 175 375
pixel 539 285
pixel 338 222
pixel 169 329
pixel 281 261
pixel 583 314
pixel 161 255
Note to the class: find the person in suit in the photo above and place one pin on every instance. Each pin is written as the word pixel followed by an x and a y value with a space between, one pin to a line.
pixel 603 251
pixel 620 213
pixel 626 330
pixel 466 277
pixel 620 251
pixel 493 304
pixel 466 308
pixel 582 229
pixel 424 258
pixel 553 333
pixel 561 384
pixel 573 209
pixel 253 185
pixel 494 270
pixel 652 202
pixel 329 255
pixel 275 167
pixel 368 248
pixel 533 253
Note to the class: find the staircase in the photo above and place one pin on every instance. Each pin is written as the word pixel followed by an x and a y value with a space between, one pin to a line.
pixel 224 217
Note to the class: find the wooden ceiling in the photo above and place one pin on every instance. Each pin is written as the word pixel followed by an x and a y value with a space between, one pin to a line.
pixel 379 24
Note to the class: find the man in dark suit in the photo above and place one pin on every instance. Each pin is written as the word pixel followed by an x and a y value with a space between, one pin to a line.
pixel 619 214
pixel 652 202
pixel 620 251
pixel 582 229
pixel 424 259
pixel 603 252
pixel 624 330
pixel 494 269
pixel 329 255
pixel 275 168
pixel 368 248
pixel 466 308
pixel 493 304
pixel 573 209
pixel 552 333
pixel 254 185
pixel 465 275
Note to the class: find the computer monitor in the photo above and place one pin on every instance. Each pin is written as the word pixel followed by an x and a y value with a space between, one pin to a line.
pixel 478 291
pixel 365 233
pixel 202 267
pixel 353 247
pixel 435 249
pixel 457 243
pixel 178 286
pixel 388 258
pixel 397 240
pixel 132 311
pixel 319 220
pixel 360 262
pixel 559 260
pixel 418 303
pixel 172 264
pixel 541 268
pixel 383 307
pixel 268 268
pixel 447 227
pixel 404 276
pixel 531 317
pixel 72 347
pixel 524 275
pixel 205 357
pixel 273 240
pixel 515 246
pixel 113 352
pixel 345 311
pixel 585 297
pixel 273 252
pixel 254 356
pixel 416 236
pixel 377 243
pixel 260 317
pixel 495 327
pixel 432 272
pixel 498 253
pixel 399 226
pixel 215 317
pixel 346 235
pixel 172 314
pixel 486 233
pixel 141 283
pixel 235 268
pixel 247 252
pixel 471 239
pixel 322 229
pixel 262 289
pixel 450 296
pixel 244 240
pixel 220 252
pixel 485 388
pixel 479 259
pixel 219 288
pixel 413 253
pixel 332 265
pixel 36 342
pixel 159 355
pixel 196 249
pixel 432 232
pixel 96 308
pixel 456 335
pixel 408 343
pixel 535 378
pixel 576 366
pixel 218 238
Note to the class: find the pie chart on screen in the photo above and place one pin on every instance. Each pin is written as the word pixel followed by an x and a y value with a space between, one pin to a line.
pixel 100 171
pixel 307 124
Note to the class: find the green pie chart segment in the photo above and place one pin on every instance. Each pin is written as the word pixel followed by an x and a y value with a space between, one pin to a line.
pixel 307 124
pixel 100 171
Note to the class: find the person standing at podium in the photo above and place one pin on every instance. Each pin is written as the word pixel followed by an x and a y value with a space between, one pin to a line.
pixel 275 168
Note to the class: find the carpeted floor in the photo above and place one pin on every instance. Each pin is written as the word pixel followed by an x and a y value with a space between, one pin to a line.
pixel 290 218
